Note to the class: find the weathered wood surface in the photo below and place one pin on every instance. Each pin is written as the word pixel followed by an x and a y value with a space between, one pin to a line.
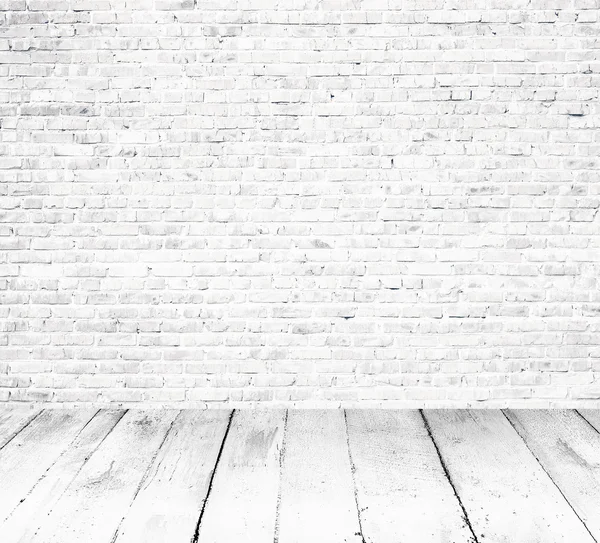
pixel 592 416
pixel 243 501
pixel 318 476
pixel 12 421
pixel 93 506
pixel 25 459
pixel 506 493
pixel 317 501
pixel 170 500
pixel 403 492
pixel 21 524
pixel 568 448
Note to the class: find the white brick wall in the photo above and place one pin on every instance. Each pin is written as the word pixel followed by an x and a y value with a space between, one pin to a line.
pixel 317 202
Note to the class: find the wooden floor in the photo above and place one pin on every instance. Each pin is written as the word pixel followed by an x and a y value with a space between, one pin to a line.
pixel 70 476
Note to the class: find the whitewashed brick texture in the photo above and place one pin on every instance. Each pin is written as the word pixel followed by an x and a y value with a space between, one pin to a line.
pixel 300 202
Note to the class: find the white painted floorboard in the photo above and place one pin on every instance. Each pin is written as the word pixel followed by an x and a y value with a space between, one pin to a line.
pixel 91 509
pixel 403 492
pixel 25 459
pixel 170 500
pixel 22 523
pixel 568 448
pixel 243 501
pixel 506 493
pixel 317 501
pixel 12 421
pixel 592 417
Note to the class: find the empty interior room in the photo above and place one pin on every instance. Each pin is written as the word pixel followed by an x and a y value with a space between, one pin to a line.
pixel 299 271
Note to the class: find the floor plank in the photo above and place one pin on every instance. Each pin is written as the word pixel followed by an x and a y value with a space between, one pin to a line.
pixel 317 501
pixel 401 481
pixel 93 506
pixel 169 503
pixel 242 503
pixel 507 495
pixel 592 416
pixel 568 448
pixel 35 449
pixel 72 475
pixel 21 524
pixel 12 421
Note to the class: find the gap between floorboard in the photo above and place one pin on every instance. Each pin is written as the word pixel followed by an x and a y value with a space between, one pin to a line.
pixel 548 474
pixel 212 478
pixel 447 473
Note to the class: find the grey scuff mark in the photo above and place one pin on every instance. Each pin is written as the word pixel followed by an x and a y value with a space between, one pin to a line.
pixel 104 476
pixel 448 477
pixel 258 444
pixel 196 533
pixel 548 474
pixel 281 457
pixel 353 474
pixel 574 456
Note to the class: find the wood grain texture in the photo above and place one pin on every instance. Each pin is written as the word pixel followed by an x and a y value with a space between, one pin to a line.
pixel 400 480
pixel 92 507
pixel 507 495
pixel 242 504
pixel 170 500
pixel 317 501
pixel 12 421
pixel 35 449
pixel 568 448
pixel 21 524
pixel 592 416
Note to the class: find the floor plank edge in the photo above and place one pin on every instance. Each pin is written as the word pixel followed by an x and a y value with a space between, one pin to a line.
pixel 281 456
pixel 593 426
pixel 447 473
pixel 196 534
pixel 18 431
pixel 353 473
pixel 503 411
